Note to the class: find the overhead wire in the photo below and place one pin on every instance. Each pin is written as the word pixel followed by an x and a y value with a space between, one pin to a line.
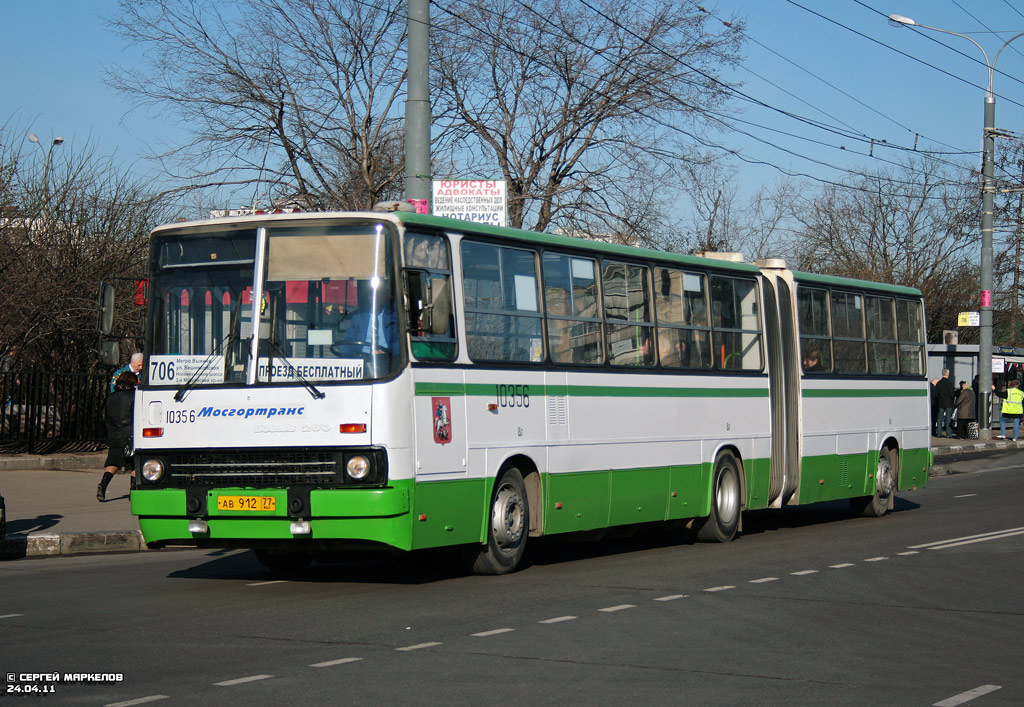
pixel 916 133
pixel 704 142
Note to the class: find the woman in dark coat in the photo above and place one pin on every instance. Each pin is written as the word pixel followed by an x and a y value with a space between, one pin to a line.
pixel 118 416
pixel 965 409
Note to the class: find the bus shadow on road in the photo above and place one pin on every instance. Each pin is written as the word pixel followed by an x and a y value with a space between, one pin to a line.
pixel 824 513
pixel 360 567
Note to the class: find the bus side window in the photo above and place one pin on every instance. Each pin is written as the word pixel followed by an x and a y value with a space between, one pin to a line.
pixel 428 284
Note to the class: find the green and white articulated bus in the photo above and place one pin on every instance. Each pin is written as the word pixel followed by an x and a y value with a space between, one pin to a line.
pixel 317 381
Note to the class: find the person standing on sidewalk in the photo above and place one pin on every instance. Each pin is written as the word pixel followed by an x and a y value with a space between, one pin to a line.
pixel 945 400
pixel 118 416
pixel 965 407
pixel 1013 409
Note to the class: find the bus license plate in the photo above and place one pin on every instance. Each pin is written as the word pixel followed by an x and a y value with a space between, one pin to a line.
pixel 246 503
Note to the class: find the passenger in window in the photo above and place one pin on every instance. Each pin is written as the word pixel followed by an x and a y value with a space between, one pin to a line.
pixel 423 252
pixel 671 348
pixel 812 360
pixel 365 332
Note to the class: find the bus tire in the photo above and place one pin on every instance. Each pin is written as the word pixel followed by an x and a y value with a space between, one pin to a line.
pixel 283 563
pixel 507 530
pixel 876 505
pixel 721 525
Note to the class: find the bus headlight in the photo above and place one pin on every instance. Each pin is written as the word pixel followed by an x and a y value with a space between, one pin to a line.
pixel 153 470
pixel 358 467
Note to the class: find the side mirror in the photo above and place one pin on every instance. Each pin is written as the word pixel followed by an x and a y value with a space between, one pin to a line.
pixel 106 309
pixel 110 352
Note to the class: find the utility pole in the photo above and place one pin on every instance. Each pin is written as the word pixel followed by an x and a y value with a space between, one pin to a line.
pixel 417 103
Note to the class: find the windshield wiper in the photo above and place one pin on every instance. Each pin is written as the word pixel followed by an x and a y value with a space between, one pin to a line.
pixel 190 383
pixel 274 354
pixel 180 394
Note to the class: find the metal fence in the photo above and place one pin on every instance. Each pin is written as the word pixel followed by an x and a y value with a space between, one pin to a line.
pixel 42 412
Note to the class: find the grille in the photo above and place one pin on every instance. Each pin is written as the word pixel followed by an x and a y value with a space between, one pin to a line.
pixel 263 468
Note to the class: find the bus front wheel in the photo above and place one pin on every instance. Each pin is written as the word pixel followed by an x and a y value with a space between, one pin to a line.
pixel 508 528
pixel 876 505
pixel 721 525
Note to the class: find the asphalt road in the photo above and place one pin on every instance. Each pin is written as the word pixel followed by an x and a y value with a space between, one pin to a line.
pixel 809 606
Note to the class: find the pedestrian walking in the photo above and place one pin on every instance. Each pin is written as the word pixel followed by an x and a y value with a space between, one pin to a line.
pixel 118 417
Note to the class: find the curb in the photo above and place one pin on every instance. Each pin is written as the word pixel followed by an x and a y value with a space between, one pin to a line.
pixel 976 447
pixel 21 462
pixel 45 544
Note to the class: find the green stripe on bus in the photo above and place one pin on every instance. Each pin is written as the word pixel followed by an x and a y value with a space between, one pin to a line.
pixel 593 391
pixel 865 393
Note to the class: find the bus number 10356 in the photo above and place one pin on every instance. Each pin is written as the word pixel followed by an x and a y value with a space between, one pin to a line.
pixel 512 396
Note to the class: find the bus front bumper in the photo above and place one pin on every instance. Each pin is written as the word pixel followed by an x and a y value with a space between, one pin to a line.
pixel 378 515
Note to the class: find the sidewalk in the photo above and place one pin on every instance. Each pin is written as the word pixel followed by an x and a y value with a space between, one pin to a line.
pixel 52 507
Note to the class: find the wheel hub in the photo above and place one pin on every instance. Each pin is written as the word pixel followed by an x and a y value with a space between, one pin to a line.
pixel 883 479
pixel 507 517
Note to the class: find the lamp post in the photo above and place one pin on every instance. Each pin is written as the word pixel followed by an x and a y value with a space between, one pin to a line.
pixel 32 137
pixel 984 391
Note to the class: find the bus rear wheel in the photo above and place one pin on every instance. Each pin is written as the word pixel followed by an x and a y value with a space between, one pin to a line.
pixel 508 529
pixel 721 525
pixel 283 563
pixel 876 505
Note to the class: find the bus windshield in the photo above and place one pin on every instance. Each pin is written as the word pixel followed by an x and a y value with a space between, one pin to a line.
pixel 326 306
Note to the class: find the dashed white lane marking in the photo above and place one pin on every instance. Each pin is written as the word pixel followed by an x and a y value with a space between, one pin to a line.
pixel 803 572
pixel 720 589
pixel 968 539
pixel 271 581
pixel 909 552
pixel 671 597
pixel 620 607
pixel 139 701
pixel 10 616
pixel 875 559
pixel 492 632
pixel 965 495
pixel 419 646
pixel 557 620
pixel 239 681
pixel 841 565
pixel 762 580
pixel 329 663
pixel 967 696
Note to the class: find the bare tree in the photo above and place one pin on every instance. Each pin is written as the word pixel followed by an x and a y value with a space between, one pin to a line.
pixel 1009 237
pixel 287 99
pixel 573 101
pixel 70 219
pixel 914 226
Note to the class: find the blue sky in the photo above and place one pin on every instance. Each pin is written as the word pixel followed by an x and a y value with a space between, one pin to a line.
pixel 53 53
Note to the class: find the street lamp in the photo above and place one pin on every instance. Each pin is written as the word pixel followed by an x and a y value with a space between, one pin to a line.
pixel 984 391
pixel 32 137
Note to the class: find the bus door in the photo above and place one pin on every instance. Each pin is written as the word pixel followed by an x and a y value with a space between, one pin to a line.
pixel 783 383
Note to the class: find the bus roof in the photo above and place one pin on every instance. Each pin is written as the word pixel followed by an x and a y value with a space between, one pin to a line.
pixel 835 281
pixel 550 239
pixel 409 218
